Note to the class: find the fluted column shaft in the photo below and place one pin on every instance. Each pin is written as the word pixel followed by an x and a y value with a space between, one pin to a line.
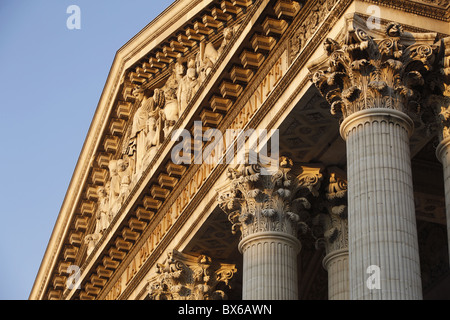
pixel 381 214
pixel 267 208
pixel 269 266
pixel 443 154
pixel 336 263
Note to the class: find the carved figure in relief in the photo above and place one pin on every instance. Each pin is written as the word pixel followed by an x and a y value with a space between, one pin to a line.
pixel 227 35
pixel 108 202
pixel 114 188
pixel 209 55
pixel 137 137
pixel 91 240
pixel 125 179
pixel 205 60
pixel 188 86
pixel 154 135
pixel 170 112
pixel 102 216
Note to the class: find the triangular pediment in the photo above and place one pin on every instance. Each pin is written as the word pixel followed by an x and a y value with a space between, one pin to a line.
pixel 201 71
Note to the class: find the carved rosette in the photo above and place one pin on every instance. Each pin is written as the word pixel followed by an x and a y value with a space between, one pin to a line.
pixel 364 71
pixel 188 277
pixel 333 221
pixel 278 201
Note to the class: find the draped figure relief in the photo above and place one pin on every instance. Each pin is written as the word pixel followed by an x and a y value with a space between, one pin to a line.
pixel 170 112
pixel 154 134
pixel 188 86
pixel 102 215
pixel 209 55
pixel 139 130
pixel 114 189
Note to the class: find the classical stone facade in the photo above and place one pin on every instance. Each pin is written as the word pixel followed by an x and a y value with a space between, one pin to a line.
pixel 265 149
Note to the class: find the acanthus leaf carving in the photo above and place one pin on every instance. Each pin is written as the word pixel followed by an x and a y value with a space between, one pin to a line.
pixel 366 71
pixel 188 277
pixel 275 201
pixel 332 217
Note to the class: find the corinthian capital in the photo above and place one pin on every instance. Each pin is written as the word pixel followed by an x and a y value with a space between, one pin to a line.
pixel 369 69
pixel 277 201
pixel 436 113
pixel 188 277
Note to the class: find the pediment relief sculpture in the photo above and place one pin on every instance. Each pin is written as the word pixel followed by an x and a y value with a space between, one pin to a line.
pixel 329 222
pixel 151 124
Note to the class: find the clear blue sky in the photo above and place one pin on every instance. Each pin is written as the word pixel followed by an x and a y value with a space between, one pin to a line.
pixel 51 82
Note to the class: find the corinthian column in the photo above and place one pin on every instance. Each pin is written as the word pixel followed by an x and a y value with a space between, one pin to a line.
pixel 335 235
pixel 374 82
pixel 266 207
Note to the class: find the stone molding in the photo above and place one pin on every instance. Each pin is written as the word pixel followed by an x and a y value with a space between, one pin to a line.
pixel 269 236
pixel 333 255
